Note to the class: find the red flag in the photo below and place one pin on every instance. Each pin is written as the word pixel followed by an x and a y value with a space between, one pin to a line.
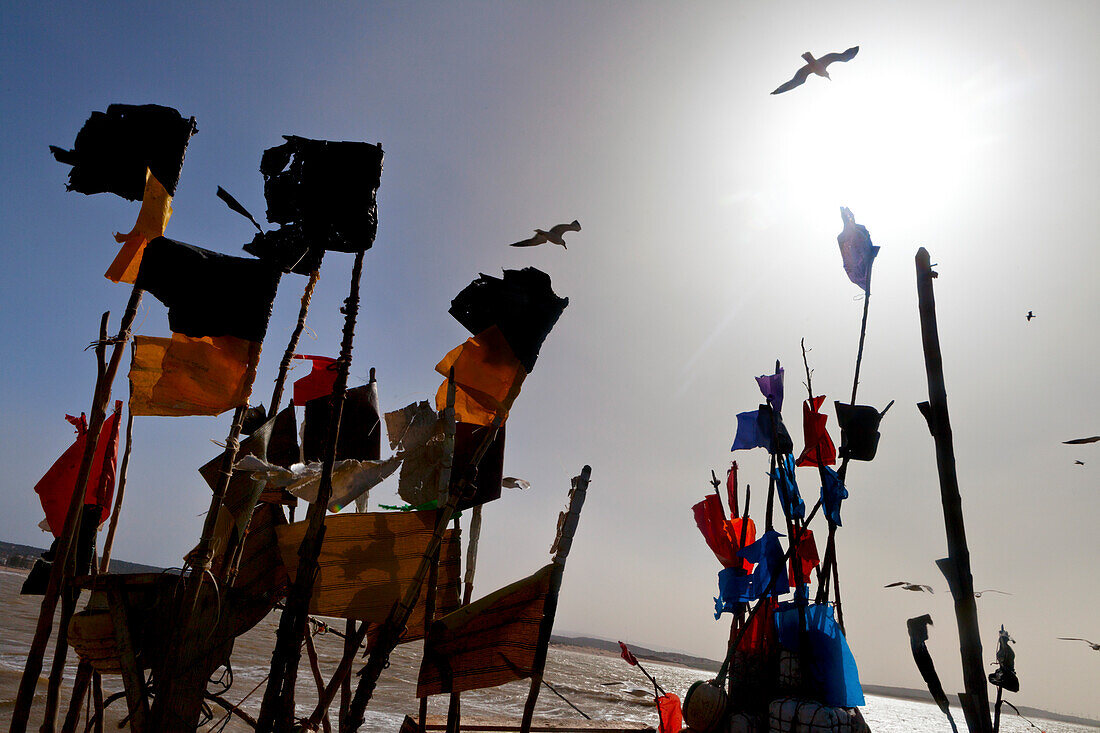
pixel 723 535
pixel 318 383
pixel 55 488
pixel 817 437
pixel 668 710
pixel 806 552
pixel 731 490
pixel 630 658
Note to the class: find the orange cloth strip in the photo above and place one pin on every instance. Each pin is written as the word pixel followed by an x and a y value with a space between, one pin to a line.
pixel 485 371
pixel 191 376
pixel 156 210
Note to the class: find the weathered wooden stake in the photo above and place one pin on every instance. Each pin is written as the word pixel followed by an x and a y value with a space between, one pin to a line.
pixel 567 527
pixel 315 667
pixel 976 701
pixel 292 346
pixel 109 541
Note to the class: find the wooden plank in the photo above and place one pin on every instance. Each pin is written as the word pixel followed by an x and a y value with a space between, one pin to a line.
pixel 132 676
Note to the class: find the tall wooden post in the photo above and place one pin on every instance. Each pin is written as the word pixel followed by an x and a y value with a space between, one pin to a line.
pixel 976 699
pixel 101 397
pixel 278 702
pixel 567 527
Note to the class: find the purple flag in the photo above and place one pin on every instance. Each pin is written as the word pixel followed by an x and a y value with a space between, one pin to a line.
pixel 771 386
pixel 856 250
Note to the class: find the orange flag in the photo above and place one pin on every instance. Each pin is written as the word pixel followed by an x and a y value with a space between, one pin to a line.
pixel 156 210
pixel 191 376
pixel 487 377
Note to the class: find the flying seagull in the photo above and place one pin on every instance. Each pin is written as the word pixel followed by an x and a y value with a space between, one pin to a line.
pixel 510 482
pixel 1095 647
pixel 1081 441
pixel 910 586
pixel 978 593
pixel 1029 316
pixel 554 235
pixel 1078 463
pixel 816 66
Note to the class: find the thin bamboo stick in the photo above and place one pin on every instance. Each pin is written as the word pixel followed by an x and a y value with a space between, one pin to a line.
pixel 278 702
pixel 567 527
pixel 292 346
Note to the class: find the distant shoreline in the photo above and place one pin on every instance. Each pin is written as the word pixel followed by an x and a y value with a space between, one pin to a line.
pixel 602 648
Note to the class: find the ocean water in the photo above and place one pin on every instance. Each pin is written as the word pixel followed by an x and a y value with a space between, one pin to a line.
pixel 603 686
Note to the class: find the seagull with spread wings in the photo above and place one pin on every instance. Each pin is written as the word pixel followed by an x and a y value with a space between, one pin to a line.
pixel 1082 441
pixel 978 593
pixel 1095 646
pixel 816 66
pixel 555 235
pixel 919 587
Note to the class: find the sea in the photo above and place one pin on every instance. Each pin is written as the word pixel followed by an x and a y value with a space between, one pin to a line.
pixel 601 685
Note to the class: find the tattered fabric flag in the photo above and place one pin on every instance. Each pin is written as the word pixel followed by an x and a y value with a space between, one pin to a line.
pixel 767 553
pixel 319 382
pixel 748 432
pixel 351 479
pixel 490 472
pixel 156 210
pixel 771 386
pixel 819 449
pixel 416 432
pixel 323 194
pixel 856 250
pixel 466 647
pixel 55 488
pixel 627 655
pixel 114 148
pixel 191 376
pixel 831 670
pixel 253 419
pixel 723 536
pixel 1005 674
pixel 789 498
pixel 207 293
pixel 487 377
pixel 918 635
pixel 859 433
pixel 360 427
pixel 669 713
pixel 731 489
pixel 369 560
pixel 832 493
pixel 805 552
pixel 522 305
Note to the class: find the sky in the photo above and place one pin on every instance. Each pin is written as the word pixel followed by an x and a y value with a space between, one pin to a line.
pixel 710 211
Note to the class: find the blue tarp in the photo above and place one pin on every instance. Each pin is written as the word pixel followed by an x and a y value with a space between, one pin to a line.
pixel 829 666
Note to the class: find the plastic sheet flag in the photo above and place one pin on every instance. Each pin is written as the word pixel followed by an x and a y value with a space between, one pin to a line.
pixel 360 435
pixel 487 377
pixel 830 669
pixel 669 713
pixel 207 293
pixel 748 432
pixel 771 386
pixel 323 194
pixel 767 553
pixel 156 210
pixel 319 382
pixel 819 446
pixel 191 376
pixel 856 250
pixel 832 494
pixel 787 488
pixel 805 553
pixel 859 433
pixel 522 305
pixel 723 536
pixel 627 655
pixel 731 489
pixel 55 488
pixel 918 636
pixel 466 647
pixel 114 149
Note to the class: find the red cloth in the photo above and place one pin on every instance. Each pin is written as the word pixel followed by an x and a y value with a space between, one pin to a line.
pixel 731 489
pixel 817 437
pixel 672 717
pixel 55 488
pixel 761 634
pixel 318 383
pixel 723 536
pixel 806 552
pixel 628 655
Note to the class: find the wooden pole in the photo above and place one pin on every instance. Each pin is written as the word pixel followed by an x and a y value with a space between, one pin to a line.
pixel 350 650
pixel 391 629
pixel 315 667
pixel 101 396
pixel 108 543
pixel 292 346
pixel 976 702
pixel 567 527
pixel 278 702
pixel 352 643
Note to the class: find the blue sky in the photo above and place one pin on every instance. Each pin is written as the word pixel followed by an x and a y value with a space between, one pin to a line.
pixel 710 211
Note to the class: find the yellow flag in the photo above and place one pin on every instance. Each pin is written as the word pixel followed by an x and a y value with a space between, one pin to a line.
pixel 156 210
pixel 191 376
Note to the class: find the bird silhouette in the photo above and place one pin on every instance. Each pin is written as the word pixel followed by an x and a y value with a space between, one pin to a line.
pixel 978 593
pixel 1029 316
pixel 1078 463
pixel 511 482
pixel 910 586
pixel 555 235
pixel 1095 646
pixel 1081 441
pixel 816 66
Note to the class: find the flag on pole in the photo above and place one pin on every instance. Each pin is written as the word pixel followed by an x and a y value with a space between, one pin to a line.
pixel 627 655
pixel 856 250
